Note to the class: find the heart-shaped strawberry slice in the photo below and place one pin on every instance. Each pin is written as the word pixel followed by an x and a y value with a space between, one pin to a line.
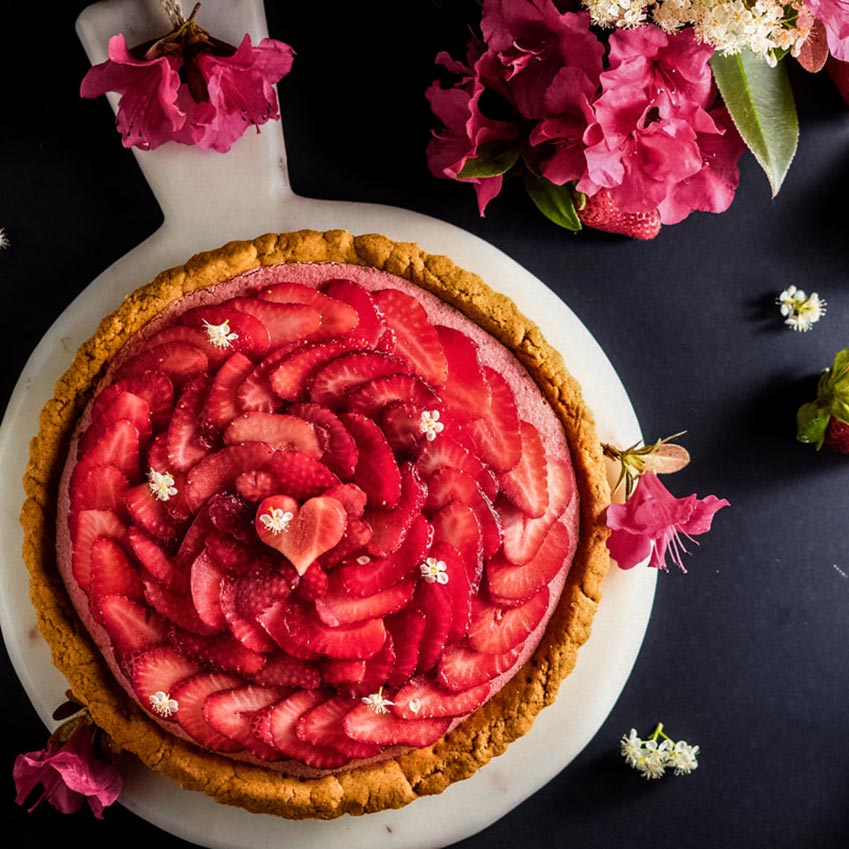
pixel 301 532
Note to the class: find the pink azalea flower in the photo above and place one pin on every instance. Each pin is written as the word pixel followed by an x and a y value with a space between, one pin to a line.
pixel 465 128
pixel 190 88
pixel 649 525
pixel 834 15
pixel 69 773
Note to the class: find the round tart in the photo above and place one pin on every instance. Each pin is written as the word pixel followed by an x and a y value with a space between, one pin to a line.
pixel 315 524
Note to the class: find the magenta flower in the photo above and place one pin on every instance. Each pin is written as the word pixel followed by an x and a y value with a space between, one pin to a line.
pixel 190 88
pixel 69 772
pixel 649 525
pixel 834 15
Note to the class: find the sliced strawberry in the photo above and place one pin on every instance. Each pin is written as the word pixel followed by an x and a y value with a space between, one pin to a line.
pixel 157 561
pixel 191 695
pixel 118 444
pixel 228 330
pixel 603 213
pixel 206 578
pixel 339 607
pixel 301 475
pixel 154 387
pixel 291 378
pixel 283 670
pixel 222 400
pixel 126 406
pixel 462 667
pixel 376 472
pixel 357 536
pixel 337 317
pixel 322 726
pixel 230 711
pixel 526 484
pixel 523 535
pixel 96 487
pixel 218 472
pixel 366 725
pixel 293 641
pixel 337 672
pixel 112 573
pixel 313 583
pixel 416 339
pixel 194 538
pixel 232 515
pixel 256 485
pixel 220 651
pixel 402 426
pixel 509 584
pixel 245 597
pixel 86 527
pixel 340 451
pixel 179 361
pixel 176 608
pixel 496 436
pixel 465 392
pixel 407 629
pixel 193 336
pixel 391 526
pixel 284 322
pixel 365 576
pixel 378 668
pixel 332 382
pixel 370 325
pixel 359 641
pixel 436 605
pixel 447 452
pixel 283 721
pixel 160 669
pixel 457 525
pixel 255 392
pixel 351 497
pixel 283 432
pixel 151 514
pixel 185 440
pixel 496 629
pixel 243 624
pixel 132 627
pixel 423 698
pixel 452 580
pixel 374 397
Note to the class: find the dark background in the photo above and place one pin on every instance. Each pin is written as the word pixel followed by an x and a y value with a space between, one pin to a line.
pixel 747 654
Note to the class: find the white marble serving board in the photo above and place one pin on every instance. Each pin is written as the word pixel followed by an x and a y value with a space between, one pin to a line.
pixel 208 199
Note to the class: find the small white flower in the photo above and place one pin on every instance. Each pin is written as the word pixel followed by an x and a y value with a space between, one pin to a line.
pixel 430 425
pixel 800 310
pixel 220 335
pixel 163 704
pixel 161 484
pixel 434 571
pixel 632 748
pixel 653 761
pixel 683 758
pixel 276 520
pixel 378 702
pixel 4 239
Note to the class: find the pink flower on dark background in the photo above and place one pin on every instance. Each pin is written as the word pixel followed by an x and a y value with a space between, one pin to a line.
pixel 649 525
pixel 834 15
pixel 190 88
pixel 68 772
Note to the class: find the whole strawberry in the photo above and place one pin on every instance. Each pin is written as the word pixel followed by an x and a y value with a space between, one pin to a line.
pixel 825 421
pixel 601 212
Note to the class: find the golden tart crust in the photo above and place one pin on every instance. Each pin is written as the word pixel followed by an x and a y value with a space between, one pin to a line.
pixel 387 784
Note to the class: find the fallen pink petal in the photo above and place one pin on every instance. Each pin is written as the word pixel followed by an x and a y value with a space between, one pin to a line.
pixel 648 527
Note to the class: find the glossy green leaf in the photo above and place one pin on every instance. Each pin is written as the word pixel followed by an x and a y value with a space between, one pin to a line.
pixel 493 159
pixel 761 104
pixel 556 203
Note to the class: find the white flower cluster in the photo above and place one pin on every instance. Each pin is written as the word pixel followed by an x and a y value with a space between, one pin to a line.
pixel 766 27
pixel 801 311
pixel 652 757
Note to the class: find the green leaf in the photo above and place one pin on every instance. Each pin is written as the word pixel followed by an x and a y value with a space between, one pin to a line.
pixel 493 159
pixel 556 203
pixel 811 425
pixel 761 104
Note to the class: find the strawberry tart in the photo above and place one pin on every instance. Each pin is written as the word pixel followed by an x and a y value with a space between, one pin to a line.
pixel 315 524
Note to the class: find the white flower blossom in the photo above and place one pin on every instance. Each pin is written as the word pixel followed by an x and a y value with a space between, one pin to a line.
pixel 4 239
pixel 220 335
pixel 683 758
pixel 434 571
pixel 276 520
pixel 800 310
pixel 652 757
pixel 161 484
pixel 377 702
pixel 430 425
pixel 632 747
pixel 163 704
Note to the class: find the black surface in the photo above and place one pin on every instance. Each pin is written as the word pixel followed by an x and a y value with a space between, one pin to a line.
pixel 747 654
